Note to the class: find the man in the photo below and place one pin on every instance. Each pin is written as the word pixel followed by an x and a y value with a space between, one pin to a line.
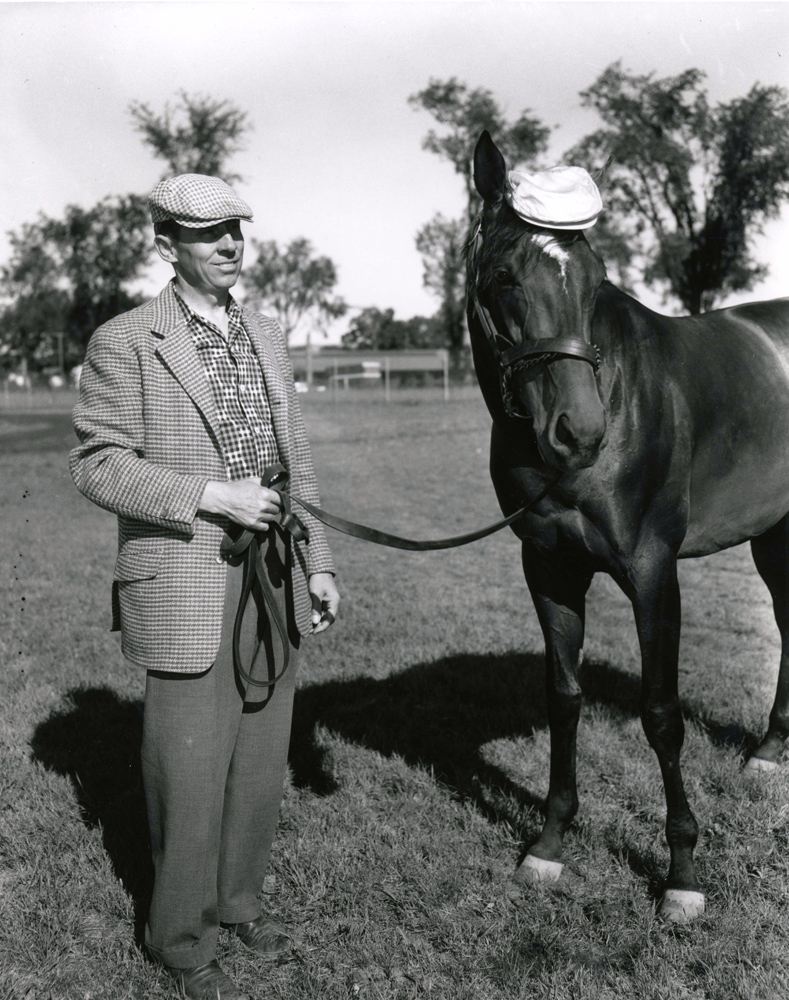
pixel 184 402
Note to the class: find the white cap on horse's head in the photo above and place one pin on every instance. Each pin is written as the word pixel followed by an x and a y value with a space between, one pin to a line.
pixel 559 198
pixel 196 201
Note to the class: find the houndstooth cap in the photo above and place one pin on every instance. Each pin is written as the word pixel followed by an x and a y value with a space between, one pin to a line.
pixel 196 201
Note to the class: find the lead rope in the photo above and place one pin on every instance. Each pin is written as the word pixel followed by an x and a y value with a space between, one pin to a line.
pixel 254 568
pixel 276 477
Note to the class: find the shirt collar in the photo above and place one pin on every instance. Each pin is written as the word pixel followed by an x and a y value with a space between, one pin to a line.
pixel 233 309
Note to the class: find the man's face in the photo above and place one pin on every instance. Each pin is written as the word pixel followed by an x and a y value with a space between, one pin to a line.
pixel 209 259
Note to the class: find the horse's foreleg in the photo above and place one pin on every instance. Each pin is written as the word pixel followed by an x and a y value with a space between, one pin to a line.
pixel 771 555
pixel 559 594
pixel 656 602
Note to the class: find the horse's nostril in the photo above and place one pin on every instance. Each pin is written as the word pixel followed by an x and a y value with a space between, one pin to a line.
pixel 563 433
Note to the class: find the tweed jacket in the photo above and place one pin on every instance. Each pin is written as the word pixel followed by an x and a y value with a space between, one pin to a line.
pixel 146 422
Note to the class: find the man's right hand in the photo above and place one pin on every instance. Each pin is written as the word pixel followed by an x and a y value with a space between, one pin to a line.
pixel 244 501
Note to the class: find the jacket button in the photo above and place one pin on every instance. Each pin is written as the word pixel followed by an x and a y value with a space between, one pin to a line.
pixel 220 559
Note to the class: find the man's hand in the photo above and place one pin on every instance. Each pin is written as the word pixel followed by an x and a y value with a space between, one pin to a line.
pixel 244 501
pixel 325 601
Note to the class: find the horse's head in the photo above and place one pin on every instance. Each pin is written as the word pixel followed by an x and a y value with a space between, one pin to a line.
pixel 532 292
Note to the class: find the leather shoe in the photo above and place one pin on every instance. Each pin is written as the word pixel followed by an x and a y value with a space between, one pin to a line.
pixel 262 935
pixel 206 982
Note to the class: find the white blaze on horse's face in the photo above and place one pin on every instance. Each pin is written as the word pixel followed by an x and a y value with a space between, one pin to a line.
pixel 561 395
pixel 549 246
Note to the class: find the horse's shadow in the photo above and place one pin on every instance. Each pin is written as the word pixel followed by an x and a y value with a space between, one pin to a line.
pixel 436 716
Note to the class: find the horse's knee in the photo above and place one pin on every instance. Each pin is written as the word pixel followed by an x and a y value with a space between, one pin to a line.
pixel 663 726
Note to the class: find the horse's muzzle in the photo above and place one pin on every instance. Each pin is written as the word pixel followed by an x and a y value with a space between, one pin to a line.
pixel 573 441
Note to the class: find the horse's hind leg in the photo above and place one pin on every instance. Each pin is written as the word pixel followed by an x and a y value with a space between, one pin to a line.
pixel 771 555
pixel 559 594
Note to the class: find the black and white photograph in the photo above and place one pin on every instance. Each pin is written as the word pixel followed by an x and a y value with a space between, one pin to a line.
pixel 394 475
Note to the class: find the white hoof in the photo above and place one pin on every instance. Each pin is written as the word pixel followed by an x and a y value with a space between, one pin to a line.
pixel 680 906
pixel 534 869
pixel 760 765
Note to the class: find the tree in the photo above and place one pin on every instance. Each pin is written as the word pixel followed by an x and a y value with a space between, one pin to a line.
pixel 103 249
pixel 465 113
pixel 70 275
pixel 294 285
pixel 377 330
pixel 440 242
pixel 197 136
pixel 689 185
pixel 29 325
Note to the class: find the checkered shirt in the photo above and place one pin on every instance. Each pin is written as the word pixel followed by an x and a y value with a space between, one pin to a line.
pixel 244 423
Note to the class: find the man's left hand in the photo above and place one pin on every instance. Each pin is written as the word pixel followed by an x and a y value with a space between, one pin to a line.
pixel 325 601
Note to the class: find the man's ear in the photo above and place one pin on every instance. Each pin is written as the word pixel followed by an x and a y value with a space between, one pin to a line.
pixel 165 248
pixel 490 170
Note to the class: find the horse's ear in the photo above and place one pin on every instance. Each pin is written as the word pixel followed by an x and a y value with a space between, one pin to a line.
pixel 601 176
pixel 490 170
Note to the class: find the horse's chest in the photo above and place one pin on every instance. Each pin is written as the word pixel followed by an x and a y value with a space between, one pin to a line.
pixel 569 533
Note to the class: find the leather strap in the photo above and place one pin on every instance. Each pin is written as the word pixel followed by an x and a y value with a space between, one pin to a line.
pixel 254 567
pixel 411 544
pixel 248 545
pixel 276 477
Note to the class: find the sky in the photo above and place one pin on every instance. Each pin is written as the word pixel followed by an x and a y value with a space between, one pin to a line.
pixel 336 153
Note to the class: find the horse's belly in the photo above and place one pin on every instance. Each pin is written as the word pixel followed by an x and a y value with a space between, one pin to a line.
pixel 730 504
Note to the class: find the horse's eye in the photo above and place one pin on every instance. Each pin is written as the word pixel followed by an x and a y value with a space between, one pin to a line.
pixel 503 277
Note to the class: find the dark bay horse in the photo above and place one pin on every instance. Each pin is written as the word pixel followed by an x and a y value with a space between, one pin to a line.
pixel 661 438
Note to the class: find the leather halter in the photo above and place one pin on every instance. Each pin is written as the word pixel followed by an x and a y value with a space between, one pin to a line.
pixel 529 353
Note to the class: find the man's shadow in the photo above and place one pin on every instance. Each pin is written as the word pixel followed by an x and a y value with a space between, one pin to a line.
pixel 95 741
pixel 436 715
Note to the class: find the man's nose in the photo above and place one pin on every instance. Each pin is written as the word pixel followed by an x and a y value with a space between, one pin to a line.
pixel 227 242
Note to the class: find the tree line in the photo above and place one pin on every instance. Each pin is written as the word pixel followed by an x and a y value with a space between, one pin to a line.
pixel 688 185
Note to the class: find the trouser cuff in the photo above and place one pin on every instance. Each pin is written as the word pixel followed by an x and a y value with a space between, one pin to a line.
pixel 185 958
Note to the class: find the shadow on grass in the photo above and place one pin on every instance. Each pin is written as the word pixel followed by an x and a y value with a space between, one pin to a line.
pixel 438 715
pixel 434 715
pixel 96 743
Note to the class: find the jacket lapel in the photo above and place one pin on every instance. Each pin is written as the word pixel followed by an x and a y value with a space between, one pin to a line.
pixel 272 373
pixel 179 354
pixel 276 386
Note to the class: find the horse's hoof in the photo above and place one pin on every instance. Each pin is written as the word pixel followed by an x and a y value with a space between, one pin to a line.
pixel 758 765
pixel 681 906
pixel 538 870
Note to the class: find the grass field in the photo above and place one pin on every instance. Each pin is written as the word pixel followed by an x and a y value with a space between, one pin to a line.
pixel 419 756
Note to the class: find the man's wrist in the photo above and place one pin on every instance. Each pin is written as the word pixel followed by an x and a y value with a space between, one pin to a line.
pixel 211 500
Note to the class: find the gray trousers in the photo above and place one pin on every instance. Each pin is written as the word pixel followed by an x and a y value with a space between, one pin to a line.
pixel 214 754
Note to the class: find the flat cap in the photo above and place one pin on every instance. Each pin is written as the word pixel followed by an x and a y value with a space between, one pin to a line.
pixel 559 198
pixel 196 201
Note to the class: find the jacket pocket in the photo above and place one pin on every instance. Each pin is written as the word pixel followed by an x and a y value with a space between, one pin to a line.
pixel 139 559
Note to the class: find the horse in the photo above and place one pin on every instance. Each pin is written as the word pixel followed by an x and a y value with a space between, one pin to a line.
pixel 657 439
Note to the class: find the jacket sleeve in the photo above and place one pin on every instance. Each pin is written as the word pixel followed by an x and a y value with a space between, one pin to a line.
pixel 302 473
pixel 109 465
